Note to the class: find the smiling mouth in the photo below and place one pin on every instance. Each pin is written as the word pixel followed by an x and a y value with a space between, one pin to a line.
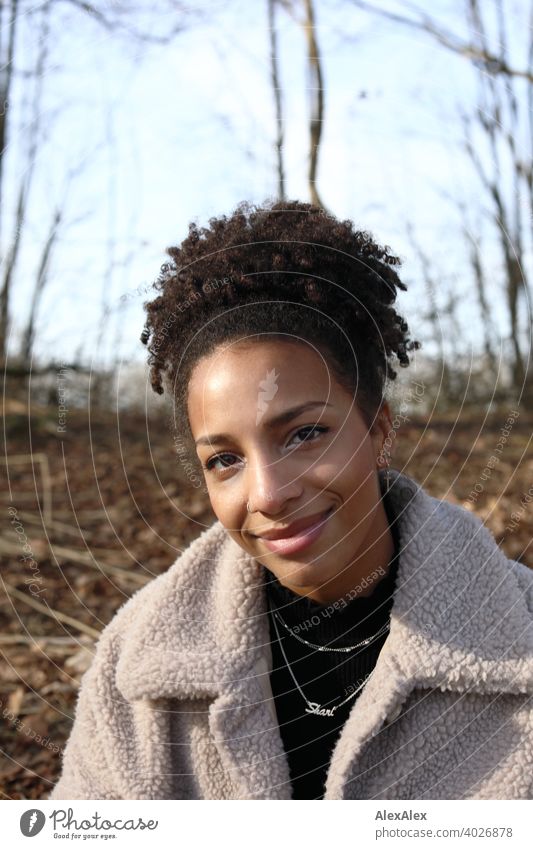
pixel 301 538
pixel 294 529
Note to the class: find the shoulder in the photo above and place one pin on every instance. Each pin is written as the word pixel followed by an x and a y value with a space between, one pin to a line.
pixel 439 522
pixel 524 580
pixel 447 546
pixel 432 523
pixel 152 610
pixel 198 559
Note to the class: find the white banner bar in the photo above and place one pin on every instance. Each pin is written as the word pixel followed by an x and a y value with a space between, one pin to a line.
pixel 352 825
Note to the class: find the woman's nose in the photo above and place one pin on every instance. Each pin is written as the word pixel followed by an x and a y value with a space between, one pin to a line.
pixel 269 486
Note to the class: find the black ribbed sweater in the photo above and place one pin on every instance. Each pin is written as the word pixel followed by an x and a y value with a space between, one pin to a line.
pixel 325 677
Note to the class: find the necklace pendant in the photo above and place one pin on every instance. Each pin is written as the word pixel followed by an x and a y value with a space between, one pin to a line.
pixel 317 709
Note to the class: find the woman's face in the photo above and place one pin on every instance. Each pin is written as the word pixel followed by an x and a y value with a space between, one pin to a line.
pixel 274 430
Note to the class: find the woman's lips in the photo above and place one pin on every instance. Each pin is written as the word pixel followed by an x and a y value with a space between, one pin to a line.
pixel 300 540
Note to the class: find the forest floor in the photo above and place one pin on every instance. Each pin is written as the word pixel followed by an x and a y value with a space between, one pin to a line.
pixel 94 511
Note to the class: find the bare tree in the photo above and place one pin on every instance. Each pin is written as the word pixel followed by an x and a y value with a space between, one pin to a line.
pixel 315 88
pixel 34 139
pixel 316 91
pixel 505 169
pixel 115 18
pixel 276 89
pixel 118 19
pixel 8 23
pixel 478 268
pixel 492 62
pixel 40 284
pixel 495 127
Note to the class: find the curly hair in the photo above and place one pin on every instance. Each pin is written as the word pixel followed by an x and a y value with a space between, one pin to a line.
pixel 285 270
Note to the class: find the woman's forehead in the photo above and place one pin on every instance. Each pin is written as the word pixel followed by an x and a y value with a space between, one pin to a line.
pixel 267 367
pixel 261 388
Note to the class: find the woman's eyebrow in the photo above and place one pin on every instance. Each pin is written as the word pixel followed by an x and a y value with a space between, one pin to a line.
pixel 281 418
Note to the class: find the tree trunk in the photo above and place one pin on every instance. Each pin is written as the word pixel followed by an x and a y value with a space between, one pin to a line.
pixel 6 77
pixel 316 90
pixel 276 88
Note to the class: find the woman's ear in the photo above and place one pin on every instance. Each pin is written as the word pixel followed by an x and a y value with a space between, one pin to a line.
pixel 382 435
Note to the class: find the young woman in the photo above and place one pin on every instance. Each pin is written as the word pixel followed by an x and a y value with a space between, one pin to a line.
pixel 337 633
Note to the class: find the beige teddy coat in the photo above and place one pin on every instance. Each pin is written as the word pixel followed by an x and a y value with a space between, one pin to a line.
pixel 177 703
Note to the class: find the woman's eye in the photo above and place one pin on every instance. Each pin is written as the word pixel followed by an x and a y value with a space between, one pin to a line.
pixel 311 433
pixel 220 457
pixel 307 434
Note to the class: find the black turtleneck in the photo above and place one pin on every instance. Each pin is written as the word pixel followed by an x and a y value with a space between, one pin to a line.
pixel 326 678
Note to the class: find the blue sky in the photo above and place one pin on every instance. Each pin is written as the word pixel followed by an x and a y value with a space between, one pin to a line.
pixel 184 131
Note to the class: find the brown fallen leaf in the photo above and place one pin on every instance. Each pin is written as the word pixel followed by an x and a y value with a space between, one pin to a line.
pixel 15 700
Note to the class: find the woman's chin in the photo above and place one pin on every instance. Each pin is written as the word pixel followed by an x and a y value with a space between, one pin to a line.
pixel 299 574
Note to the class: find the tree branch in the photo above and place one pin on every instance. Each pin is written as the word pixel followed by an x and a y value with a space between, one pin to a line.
pixel 491 63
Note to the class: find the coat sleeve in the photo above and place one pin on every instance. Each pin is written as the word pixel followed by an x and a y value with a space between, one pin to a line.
pixel 90 760
pixel 84 773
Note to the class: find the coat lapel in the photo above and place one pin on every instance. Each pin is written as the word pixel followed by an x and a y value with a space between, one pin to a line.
pixel 209 638
pixel 243 717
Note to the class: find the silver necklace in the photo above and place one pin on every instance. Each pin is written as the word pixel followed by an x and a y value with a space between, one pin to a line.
pixel 315 707
pixel 366 642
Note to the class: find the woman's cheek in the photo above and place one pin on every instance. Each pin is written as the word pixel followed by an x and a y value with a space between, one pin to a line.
pixel 328 471
pixel 225 506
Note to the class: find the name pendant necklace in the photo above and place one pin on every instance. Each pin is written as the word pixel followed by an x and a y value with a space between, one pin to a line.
pixel 315 707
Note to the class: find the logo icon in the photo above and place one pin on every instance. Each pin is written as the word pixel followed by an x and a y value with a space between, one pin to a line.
pixel 32 822
pixel 268 390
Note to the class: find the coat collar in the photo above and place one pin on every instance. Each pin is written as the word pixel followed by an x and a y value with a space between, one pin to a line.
pixel 459 620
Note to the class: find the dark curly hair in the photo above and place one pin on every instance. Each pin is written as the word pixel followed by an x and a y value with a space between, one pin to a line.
pixel 285 270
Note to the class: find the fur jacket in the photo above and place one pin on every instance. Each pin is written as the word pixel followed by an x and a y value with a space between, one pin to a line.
pixel 177 703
